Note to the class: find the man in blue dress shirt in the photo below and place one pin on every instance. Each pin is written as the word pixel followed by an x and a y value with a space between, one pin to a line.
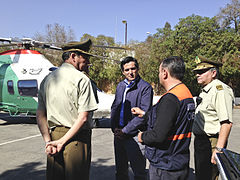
pixel 131 92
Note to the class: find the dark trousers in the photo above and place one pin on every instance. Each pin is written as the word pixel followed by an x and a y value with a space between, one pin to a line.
pixel 203 148
pixel 128 150
pixel 73 162
pixel 161 174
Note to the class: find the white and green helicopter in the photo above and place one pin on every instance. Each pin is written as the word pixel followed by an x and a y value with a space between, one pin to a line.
pixel 21 72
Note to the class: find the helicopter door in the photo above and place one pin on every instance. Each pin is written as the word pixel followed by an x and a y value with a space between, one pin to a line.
pixel 7 94
pixel 28 91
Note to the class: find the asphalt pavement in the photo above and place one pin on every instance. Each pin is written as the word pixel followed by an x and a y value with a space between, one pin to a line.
pixel 22 149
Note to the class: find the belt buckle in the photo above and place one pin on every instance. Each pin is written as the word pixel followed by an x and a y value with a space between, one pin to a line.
pixel 52 128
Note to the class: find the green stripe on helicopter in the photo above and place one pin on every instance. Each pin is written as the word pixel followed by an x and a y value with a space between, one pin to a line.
pixel 5 59
pixel 13 98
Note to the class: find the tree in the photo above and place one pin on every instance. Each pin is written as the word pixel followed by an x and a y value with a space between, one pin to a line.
pixel 192 36
pixel 105 69
pixel 230 15
pixel 57 35
pixel 230 72
pixel 196 35
pixel 182 41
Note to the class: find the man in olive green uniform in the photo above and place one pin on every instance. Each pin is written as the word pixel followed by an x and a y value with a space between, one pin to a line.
pixel 65 104
pixel 213 118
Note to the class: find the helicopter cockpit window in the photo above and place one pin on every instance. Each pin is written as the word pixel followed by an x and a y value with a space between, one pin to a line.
pixel 10 87
pixel 28 88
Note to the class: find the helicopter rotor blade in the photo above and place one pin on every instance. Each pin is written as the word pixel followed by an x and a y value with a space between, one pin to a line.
pixel 6 39
pixel 27 39
pixel 27 43
pixel 51 47
pixel 8 45
pixel 11 45
pixel 110 47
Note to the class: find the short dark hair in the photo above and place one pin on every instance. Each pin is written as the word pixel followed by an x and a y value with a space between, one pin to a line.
pixel 127 60
pixel 66 55
pixel 175 66
pixel 217 72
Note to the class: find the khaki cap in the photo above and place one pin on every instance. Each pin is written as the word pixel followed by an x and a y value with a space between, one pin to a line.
pixel 204 63
pixel 82 47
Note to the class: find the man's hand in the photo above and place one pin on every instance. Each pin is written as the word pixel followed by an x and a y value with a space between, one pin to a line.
pixel 51 150
pixel 137 111
pixel 214 155
pixel 119 134
pixel 54 146
pixel 140 137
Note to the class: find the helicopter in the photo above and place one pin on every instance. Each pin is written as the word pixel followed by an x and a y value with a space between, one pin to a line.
pixel 21 72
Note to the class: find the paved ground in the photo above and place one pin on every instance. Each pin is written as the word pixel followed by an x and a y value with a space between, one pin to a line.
pixel 22 154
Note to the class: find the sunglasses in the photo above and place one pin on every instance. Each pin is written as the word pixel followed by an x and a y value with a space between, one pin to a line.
pixel 85 56
pixel 201 71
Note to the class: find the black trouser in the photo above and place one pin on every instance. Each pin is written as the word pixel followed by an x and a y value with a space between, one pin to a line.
pixel 203 148
pixel 161 174
pixel 129 150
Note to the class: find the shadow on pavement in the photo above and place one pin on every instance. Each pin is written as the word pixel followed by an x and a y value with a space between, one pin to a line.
pixel 16 119
pixel 26 171
pixel 101 172
pixel 98 172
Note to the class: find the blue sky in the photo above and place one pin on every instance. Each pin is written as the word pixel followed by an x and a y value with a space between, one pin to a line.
pixel 24 18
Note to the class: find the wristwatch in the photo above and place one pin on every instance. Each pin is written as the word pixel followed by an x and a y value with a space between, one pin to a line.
pixel 219 149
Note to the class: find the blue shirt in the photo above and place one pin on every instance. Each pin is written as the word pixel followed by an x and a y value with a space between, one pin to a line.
pixel 128 86
pixel 140 94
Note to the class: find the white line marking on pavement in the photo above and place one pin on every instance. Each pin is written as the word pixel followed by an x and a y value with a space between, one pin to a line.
pixel 29 137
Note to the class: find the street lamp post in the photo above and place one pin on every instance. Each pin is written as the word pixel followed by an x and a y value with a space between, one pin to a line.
pixel 125 22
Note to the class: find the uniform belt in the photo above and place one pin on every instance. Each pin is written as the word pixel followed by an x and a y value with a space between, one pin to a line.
pixel 54 126
pixel 82 135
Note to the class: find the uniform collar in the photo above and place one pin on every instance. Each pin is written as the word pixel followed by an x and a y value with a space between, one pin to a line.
pixel 68 65
pixel 209 86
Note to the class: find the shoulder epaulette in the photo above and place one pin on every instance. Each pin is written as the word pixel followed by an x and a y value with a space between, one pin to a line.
pixel 219 87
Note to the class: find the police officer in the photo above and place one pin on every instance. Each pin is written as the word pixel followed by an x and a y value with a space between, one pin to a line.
pixel 213 118
pixel 65 104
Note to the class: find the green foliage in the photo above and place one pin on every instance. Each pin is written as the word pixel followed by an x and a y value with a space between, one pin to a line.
pixel 105 70
pixel 192 36
pixel 4 48
pixel 230 72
